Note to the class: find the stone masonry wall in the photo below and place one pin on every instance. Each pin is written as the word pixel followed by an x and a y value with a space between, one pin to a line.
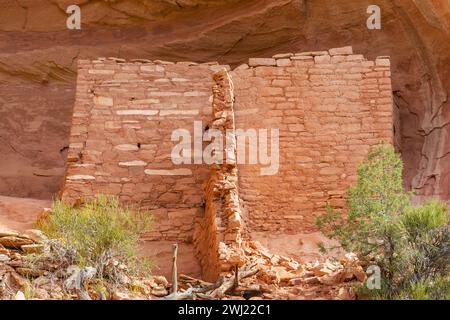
pixel 330 107
pixel 121 138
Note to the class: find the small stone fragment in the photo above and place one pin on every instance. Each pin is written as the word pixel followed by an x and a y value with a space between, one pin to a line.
pixel 33 248
pixel 14 242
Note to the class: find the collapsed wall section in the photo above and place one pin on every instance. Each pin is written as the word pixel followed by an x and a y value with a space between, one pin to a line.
pixel 124 116
pixel 330 107
pixel 219 234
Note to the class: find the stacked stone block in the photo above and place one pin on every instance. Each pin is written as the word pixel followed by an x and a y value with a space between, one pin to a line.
pixel 121 143
pixel 219 232
pixel 330 108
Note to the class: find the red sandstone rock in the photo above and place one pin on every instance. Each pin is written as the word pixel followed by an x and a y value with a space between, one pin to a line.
pixel 34 68
pixel 14 242
pixel 422 25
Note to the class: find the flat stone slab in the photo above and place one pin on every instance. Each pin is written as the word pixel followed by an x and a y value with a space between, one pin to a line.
pixel 255 62
pixel 14 242
pixel 7 233
pixel 32 248
pixel 341 51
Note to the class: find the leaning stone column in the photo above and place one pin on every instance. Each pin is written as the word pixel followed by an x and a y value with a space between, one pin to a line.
pixel 218 236
pixel 224 173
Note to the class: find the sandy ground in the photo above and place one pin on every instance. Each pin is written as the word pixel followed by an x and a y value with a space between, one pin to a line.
pixel 160 253
pixel 20 213
pixel 302 247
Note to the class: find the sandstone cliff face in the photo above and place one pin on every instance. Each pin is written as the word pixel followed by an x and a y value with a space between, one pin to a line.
pixel 38 66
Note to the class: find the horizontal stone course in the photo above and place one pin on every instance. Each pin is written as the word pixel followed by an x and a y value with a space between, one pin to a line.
pixel 81 177
pixel 134 163
pixel 173 172
pixel 137 112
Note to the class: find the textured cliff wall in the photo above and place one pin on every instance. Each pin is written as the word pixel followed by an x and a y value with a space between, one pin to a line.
pixel 38 60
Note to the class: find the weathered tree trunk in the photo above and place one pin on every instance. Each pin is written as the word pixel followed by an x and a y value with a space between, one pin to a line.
pixel 174 269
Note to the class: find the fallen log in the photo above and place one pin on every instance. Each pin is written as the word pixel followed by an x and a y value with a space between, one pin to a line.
pixel 193 293
pixel 217 290
pixel 174 269
pixel 193 282
pixel 230 284
pixel 190 293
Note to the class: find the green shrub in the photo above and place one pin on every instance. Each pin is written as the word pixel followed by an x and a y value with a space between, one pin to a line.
pixel 103 234
pixel 419 221
pixel 428 235
pixel 429 289
pixel 409 244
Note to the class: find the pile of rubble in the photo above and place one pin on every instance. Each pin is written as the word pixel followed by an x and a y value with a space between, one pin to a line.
pixel 282 277
pixel 15 271
pixel 259 274
pixel 21 278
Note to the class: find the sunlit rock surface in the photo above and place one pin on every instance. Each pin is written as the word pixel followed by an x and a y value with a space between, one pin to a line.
pixel 38 67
